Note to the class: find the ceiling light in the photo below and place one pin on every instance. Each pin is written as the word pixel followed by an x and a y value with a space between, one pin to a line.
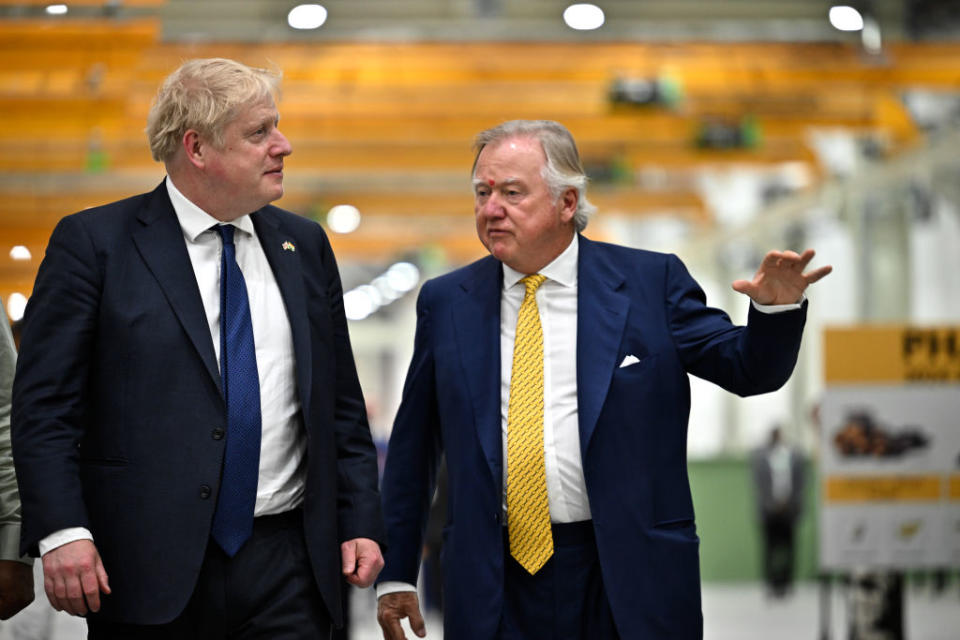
pixel 16 304
pixel 583 17
pixel 20 252
pixel 56 9
pixel 307 16
pixel 846 18
pixel 343 218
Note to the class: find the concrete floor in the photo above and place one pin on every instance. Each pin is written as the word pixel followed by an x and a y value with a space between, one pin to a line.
pixel 730 611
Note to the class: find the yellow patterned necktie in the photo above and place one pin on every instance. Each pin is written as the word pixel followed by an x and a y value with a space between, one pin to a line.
pixel 528 512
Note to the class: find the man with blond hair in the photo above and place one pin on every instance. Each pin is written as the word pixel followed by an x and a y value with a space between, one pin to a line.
pixel 553 375
pixel 188 428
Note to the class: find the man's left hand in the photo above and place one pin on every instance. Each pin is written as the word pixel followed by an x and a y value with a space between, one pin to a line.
pixel 362 561
pixel 16 587
pixel 780 278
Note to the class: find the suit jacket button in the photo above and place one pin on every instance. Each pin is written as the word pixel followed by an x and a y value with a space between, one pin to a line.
pixel 204 492
pixel 218 433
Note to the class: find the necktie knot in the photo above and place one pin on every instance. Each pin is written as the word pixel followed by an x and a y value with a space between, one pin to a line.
pixel 533 282
pixel 226 232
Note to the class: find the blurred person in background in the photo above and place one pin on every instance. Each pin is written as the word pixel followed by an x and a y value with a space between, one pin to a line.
pixel 779 473
pixel 553 374
pixel 194 455
pixel 16 572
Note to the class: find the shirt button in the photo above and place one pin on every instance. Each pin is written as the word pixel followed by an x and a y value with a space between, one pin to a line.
pixel 204 492
pixel 218 433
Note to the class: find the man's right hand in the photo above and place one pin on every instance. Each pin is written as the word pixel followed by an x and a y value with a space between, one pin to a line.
pixel 392 608
pixel 73 577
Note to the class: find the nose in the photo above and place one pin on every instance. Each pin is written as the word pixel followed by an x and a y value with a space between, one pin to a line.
pixel 491 207
pixel 281 146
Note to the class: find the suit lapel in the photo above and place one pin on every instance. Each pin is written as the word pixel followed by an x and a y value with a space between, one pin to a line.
pixel 477 322
pixel 601 318
pixel 285 262
pixel 161 244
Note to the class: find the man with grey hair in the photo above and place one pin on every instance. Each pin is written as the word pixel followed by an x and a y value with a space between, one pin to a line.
pixel 189 431
pixel 553 375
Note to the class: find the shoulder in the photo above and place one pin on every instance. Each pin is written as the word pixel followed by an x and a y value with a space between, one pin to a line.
pixel 109 221
pixel 626 260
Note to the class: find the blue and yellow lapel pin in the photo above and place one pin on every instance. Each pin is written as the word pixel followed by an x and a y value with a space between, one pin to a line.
pixel 288 246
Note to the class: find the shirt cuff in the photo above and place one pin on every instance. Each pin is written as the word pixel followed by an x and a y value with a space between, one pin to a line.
pixel 62 537
pixel 394 586
pixel 9 544
pixel 779 308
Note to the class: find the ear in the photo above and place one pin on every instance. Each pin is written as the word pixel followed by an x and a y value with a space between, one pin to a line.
pixel 568 204
pixel 194 147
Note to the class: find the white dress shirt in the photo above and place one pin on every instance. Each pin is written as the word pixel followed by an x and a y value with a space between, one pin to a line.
pixel 283 441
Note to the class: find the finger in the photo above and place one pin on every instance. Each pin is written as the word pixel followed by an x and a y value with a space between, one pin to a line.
pixel 348 557
pixel 91 589
pixel 102 578
pixel 369 564
pixel 745 287
pixel 816 274
pixel 790 257
pixel 390 624
pixel 48 587
pixel 416 621
pixel 771 260
pixel 354 579
pixel 76 605
pixel 805 259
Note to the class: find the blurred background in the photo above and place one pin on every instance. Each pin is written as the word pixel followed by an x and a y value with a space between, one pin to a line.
pixel 713 130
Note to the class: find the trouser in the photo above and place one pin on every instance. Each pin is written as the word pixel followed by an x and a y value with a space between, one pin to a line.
pixel 565 599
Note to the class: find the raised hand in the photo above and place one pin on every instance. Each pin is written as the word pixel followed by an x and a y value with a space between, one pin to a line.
pixel 780 278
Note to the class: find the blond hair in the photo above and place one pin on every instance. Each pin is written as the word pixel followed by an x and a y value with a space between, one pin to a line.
pixel 204 94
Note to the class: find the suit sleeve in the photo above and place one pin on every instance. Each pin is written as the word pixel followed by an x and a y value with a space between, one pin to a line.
pixel 757 358
pixel 413 457
pixel 9 496
pixel 358 498
pixel 53 370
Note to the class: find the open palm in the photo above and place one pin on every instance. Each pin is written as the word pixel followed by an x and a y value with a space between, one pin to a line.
pixel 780 278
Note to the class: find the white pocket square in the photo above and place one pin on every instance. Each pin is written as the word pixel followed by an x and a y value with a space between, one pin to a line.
pixel 629 360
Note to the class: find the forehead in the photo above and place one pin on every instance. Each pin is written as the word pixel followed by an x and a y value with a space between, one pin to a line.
pixel 516 155
pixel 255 112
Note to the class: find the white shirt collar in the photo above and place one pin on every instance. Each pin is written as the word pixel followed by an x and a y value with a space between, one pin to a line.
pixel 194 220
pixel 563 269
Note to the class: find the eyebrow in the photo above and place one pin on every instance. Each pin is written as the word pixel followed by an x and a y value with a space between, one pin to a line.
pixel 509 181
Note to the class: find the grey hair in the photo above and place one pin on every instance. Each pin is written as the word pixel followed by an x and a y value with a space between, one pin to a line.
pixel 204 94
pixel 563 169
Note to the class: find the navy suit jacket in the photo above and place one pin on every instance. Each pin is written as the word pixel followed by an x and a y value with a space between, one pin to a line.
pixel 117 402
pixel 632 423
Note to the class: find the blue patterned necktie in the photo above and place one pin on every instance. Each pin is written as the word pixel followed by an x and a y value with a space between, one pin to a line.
pixel 233 520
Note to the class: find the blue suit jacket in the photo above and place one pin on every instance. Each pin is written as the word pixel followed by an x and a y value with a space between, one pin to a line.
pixel 633 432
pixel 117 397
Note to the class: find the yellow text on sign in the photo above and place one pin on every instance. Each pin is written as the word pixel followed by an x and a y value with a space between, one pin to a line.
pixel 892 354
pixel 955 487
pixel 913 488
